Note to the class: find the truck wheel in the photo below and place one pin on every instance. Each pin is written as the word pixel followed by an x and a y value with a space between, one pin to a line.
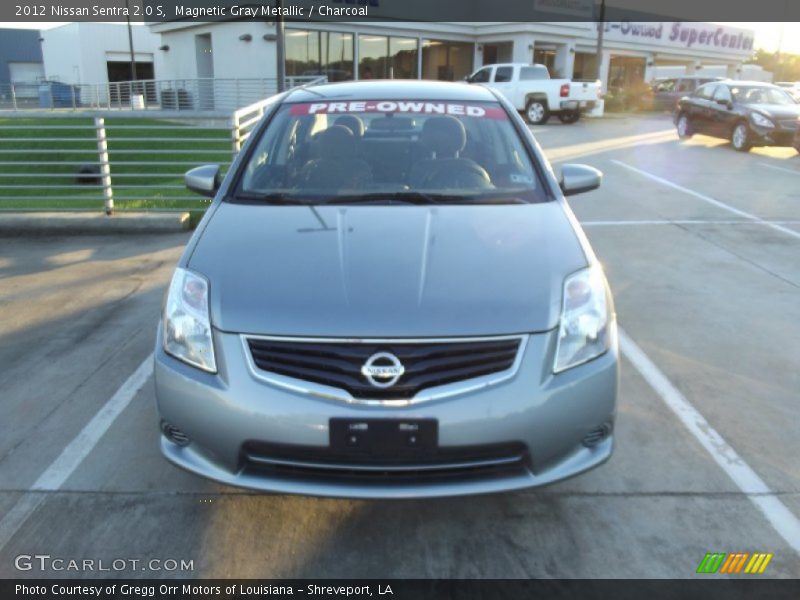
pixel 536 112
pixel 569 116
pixel 740 137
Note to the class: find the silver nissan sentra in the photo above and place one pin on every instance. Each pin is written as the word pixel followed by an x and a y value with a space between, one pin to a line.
pixel 389 297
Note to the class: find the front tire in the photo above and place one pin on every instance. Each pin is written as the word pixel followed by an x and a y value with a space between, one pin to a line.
pixel 569 117
pixel 740 137
pixel 684 127
pixel 536 112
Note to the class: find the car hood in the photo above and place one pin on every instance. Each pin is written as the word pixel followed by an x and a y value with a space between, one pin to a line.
pixel 777 111
pixel 387 271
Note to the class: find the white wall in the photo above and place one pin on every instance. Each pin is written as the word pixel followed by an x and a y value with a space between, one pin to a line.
pixel 78 52
pixel 61 54
pixel 233 58
pixel 748 72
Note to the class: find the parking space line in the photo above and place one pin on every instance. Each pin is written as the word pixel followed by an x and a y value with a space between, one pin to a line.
pixel 777 168
pixel 779 516
pixel 75 452
pixel 708 199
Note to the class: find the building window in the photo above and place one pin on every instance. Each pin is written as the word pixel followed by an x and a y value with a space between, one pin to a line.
pixel 373 57
pixel 382 57
pixel 446 60
pixel 319 53
pixel 545 56
pixel 403 53
pixel 499 52
pixel 585 66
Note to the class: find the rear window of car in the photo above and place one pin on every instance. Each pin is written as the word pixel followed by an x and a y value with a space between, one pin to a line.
pixel 534 72
pixel 425 151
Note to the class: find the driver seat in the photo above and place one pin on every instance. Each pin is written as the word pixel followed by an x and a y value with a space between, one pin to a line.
pixel 337 165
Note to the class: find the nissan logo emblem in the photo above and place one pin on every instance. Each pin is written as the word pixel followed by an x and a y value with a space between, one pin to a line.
pixel 383 369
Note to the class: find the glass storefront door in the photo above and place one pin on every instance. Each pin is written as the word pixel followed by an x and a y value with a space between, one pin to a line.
pixel 626 73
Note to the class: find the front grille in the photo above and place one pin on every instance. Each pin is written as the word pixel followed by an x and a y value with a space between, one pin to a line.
pixel 427 364
pixel 311 462
pixel 790 124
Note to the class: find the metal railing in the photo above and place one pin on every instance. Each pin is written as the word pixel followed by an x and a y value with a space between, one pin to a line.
pixel 84 160
pixel 55 162
pixel 183 95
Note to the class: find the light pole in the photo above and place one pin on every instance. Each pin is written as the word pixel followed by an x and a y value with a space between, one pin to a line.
pixel 280 54
pixel 601 27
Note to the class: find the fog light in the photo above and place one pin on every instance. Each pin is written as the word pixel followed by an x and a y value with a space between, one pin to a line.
pixel 597 435
pixel 174 435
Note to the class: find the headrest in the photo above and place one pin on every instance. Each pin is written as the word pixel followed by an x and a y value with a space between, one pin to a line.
pixel 444 135
pixel 352 122
pixel 335 142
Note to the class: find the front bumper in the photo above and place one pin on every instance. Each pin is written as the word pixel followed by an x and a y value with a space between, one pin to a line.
pixel 774 136
pixel 547 416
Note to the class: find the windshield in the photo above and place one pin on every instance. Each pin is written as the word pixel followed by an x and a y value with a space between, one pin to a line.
pixel 390 151
pixel 760 95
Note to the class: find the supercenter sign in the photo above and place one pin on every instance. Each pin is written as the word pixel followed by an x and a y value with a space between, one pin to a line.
pixel 688 36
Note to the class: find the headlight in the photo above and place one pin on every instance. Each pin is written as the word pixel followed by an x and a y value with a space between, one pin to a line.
pixel 583 332
pixel 761 120
pixel 187 327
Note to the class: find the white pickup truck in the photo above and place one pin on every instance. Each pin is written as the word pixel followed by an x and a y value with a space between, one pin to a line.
pixel 530 89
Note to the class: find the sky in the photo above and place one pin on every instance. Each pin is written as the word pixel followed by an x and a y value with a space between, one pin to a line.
pixel 768 35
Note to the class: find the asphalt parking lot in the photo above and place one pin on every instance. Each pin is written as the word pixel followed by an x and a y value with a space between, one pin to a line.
pixel 702 248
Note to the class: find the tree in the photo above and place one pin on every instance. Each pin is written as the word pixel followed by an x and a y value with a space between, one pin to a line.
pixel 788 69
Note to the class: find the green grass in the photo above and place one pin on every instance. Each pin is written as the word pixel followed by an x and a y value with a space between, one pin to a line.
pixel 80 146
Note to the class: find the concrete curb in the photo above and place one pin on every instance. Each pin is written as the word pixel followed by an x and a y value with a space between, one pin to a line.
pixel 33 223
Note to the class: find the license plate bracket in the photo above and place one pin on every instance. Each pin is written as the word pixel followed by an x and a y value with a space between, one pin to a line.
pixel 383 438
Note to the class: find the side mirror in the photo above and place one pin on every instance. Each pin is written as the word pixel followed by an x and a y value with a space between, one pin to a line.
pixel 576 179
pixel 725 103
pixel 203 180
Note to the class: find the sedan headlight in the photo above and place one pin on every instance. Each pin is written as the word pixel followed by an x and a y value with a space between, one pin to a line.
pixel 187 326
pixel 583 332
pixel 761 120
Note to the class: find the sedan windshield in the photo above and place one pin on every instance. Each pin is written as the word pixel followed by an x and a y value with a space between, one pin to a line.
pixel 760 95
pixel 390 152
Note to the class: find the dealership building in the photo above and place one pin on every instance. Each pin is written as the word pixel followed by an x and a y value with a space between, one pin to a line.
pixel 632 52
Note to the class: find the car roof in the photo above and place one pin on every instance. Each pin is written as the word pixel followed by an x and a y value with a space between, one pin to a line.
pixel 392 89
pixel 745 82
pixel 710 78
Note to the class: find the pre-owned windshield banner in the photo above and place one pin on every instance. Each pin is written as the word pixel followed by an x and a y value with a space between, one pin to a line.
pixel 466 11
pixel 456 109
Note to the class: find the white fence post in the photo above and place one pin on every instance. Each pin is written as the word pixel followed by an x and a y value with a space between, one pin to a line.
pixel 235 133
pixel 105 168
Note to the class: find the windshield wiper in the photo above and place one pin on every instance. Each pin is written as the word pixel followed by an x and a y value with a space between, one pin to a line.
pixel 278 199
pixel 420 198
pixel 388 198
